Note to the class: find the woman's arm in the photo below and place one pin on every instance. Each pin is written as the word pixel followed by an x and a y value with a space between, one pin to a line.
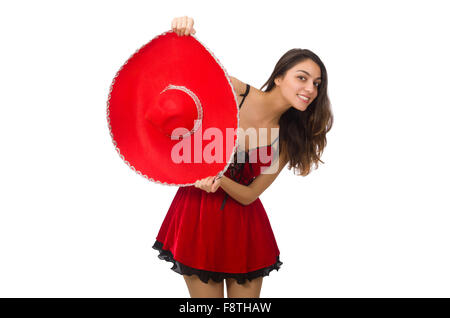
pixel 247 194
pixel 241 193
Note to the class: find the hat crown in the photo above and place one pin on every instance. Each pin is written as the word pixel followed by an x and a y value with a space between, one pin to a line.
pixel 174 108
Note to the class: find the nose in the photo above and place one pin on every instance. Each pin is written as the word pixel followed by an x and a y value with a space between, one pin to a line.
pixel 312 87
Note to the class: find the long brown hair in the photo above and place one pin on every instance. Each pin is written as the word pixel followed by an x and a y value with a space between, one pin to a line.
pixel 303 133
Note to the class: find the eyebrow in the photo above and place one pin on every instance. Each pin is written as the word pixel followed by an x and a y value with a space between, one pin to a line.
pixel 319 78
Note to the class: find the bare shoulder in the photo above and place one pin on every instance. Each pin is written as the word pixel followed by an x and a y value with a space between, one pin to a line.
pixel 239 86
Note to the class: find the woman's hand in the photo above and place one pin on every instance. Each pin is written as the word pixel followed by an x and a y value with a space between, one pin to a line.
pixel 209 184
pixel 183 26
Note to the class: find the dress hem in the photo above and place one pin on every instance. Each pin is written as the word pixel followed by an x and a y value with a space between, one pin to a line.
pixel 205 275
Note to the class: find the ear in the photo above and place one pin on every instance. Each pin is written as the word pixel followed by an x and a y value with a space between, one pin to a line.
pixel 277 80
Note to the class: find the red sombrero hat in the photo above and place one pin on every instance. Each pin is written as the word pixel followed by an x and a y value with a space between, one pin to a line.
pixel 173 82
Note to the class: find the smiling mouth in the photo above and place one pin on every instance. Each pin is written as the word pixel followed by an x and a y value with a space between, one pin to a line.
pixel 304 99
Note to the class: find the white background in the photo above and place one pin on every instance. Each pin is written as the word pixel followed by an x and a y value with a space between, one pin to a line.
pixel 373 221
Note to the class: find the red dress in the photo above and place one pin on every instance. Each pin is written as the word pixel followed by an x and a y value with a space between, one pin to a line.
pixel 214 236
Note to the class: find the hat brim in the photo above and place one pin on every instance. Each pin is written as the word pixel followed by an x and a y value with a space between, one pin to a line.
pixel 170 59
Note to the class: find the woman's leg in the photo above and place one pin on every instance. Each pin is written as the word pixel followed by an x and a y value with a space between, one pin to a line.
pixel 251 289
pixel 199 289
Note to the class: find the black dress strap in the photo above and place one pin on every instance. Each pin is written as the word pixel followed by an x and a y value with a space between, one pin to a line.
pixel 245 95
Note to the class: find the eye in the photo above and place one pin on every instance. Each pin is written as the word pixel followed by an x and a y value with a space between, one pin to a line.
pixel 317 84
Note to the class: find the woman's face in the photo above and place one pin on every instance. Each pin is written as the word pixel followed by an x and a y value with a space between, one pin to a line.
pixel 300 84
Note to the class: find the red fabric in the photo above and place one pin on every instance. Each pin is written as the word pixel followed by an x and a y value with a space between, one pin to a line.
pixel 237 239
pixel 170 59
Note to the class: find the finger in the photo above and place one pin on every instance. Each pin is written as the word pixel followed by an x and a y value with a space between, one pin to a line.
pixel 189 25
pixel 179 25
pixel 209 187
pixel 214 186
pixel 183 25
pixel 206 183
pixel 174 24
pixel 205 187
pixel 206 179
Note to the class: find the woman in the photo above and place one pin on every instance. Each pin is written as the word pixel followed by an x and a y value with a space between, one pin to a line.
pixel 218 231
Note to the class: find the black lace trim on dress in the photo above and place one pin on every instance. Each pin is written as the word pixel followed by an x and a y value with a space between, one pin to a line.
pixel 215 276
